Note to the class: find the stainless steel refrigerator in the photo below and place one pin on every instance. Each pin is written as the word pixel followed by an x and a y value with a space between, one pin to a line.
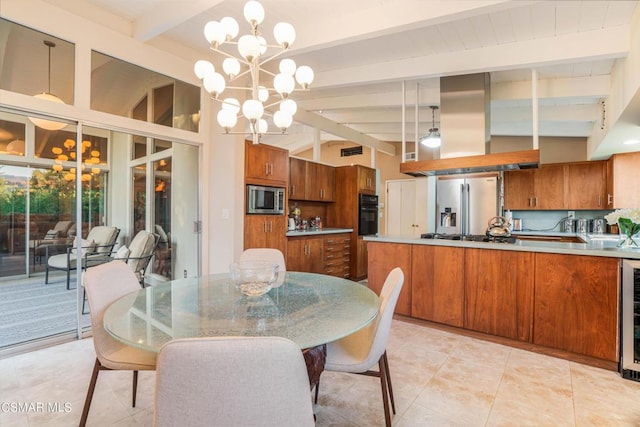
pixel 465 205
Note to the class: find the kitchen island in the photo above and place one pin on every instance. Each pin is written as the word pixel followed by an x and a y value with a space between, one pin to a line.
pixel 554 297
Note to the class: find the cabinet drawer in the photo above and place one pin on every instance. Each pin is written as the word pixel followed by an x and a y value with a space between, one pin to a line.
pixel 338 271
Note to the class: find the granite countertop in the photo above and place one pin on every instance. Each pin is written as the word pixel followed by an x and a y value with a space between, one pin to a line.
pixel 314 231
pixel 604 245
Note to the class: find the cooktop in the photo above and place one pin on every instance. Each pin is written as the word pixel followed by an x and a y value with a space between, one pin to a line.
pixel 469 237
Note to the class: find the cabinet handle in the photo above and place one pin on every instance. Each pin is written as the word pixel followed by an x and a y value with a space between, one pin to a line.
pixel 530 200
pixel 266 169
pixel 270 226
pixel 265 225
pixel 599 200
pixel 609 199
pixel 536 198
pixel 271 168
pixel 329 240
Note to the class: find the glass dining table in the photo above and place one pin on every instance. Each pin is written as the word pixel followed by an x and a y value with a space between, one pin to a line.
pixel 309 309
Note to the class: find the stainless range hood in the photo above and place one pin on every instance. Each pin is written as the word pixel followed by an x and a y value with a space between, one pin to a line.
pixel 465 119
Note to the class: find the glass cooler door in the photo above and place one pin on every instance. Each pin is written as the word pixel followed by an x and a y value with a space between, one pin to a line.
pixel 630 322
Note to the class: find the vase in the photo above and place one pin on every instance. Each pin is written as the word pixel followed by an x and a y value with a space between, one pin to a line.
pixel 629 235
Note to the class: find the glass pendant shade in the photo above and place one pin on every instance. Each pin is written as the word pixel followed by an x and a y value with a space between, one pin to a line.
pixel 203 68
pixel 231 66
pixel 215 33
pixel 304 76
pixel 289 106
pixel 227 118
pixel 263 94
pixel 263 44
pixel 214 84
pixel 263 126
pixel 284 33
pixel 249 47
pixel 282 120
pixel 284 84
pixel 253 13
pixel 252 109
pixel 230 26
pixel 288 66
pixel 432 140
pixel 231 104
pixel 43 123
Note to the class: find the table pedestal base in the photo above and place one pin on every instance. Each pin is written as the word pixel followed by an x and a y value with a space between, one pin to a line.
pixel 315 357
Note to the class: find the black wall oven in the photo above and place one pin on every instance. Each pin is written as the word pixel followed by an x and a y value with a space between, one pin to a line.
pixel 367 215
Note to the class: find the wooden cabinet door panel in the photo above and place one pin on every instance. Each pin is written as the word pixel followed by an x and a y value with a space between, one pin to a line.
pixel 626 175
pixel 366 180
pixel 549 187
pixel 384 257
pixel 327 180
pixel 297 177
pixel 437 285
pixel 265 231
pixel 266 163
pixel 498 292
pixel 295 254
pixel 305 254
pixel 576 304
pixel 586 185
pixel 518 190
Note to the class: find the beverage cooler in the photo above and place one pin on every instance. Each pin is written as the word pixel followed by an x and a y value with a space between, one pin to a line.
pixel 630 322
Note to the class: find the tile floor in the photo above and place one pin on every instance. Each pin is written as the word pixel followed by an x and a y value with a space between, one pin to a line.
pixel 439 379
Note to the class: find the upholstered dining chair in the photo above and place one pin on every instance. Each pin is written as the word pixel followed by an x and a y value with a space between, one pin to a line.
pixel 232 381
pixel 103 285
pixel 96 249
pixel 361 351
pixel 267 254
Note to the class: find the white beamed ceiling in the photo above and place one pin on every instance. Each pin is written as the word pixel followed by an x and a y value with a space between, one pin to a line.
pixel 362 51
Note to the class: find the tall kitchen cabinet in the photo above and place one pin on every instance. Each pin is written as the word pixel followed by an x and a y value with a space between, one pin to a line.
pixel 268 166
pixel 407 207
pixel 343 212
pixel 623 174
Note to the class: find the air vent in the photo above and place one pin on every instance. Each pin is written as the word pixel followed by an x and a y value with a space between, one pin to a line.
pixel 410 156
pixel 353 151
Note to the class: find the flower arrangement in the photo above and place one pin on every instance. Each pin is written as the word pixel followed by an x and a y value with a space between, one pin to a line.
pixel 628 221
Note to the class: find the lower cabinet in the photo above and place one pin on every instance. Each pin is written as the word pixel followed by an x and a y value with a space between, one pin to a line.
pixel 437 286
pixel 562 302
pixel 498 289
pixel 576 304
pixel 320 254
pixel 265 231
pixel 384 257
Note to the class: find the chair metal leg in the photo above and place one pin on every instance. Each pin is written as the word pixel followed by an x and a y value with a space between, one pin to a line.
pixel 317 391
pixel 84 300
pixel 46 273
pixel 92 386
pixel 68 277
pixel 135 388
pixel 383 385
pixel 388 375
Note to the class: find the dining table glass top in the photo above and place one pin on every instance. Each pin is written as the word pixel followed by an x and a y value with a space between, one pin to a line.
pixel 309 309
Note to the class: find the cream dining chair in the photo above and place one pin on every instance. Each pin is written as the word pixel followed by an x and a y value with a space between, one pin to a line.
pixel 232 381
pixel 361 351
pixel 267 254
pixel 103 285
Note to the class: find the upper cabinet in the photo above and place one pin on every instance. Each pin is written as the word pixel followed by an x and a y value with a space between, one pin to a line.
pixel 623 176
pixel 579 185
pixel 264 164
pixel 541 188
pixel 366 180
pixel 311 181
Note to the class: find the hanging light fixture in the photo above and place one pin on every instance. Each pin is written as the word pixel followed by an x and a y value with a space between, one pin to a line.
pixel 432 139
pixel 42 123
pixel 251 48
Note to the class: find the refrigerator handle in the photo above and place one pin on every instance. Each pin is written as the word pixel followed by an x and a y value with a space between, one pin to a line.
pixel 463 210
pixel 467 220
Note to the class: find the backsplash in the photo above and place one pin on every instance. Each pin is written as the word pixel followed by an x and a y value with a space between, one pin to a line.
pixel 551 220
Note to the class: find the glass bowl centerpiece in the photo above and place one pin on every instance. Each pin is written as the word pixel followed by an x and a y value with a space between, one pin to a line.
pixel 254 278
pixel 628 221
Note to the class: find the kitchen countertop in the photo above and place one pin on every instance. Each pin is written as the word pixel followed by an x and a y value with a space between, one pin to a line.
pixel 596 244
pixel 315 231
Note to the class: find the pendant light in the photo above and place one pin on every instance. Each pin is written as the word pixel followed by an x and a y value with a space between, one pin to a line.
pixel 42 123
pixel 432 139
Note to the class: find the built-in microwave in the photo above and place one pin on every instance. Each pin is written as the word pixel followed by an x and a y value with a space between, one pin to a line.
pixel 265 200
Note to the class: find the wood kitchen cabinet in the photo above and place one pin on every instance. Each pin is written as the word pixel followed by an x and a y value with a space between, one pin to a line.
pixel 297 178
pixel 586 185
pixel 265 164
pixel 498 292
pixel 623 174
pixel 320 182
pixel 384 257
pixel 437 284
pixel 265 231
pixel 576 304
pixel 366 180
pixel 305 254
pixel 532 189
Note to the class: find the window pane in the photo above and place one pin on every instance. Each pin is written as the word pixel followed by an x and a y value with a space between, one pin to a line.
pixel 161 145
pixel 122 88
pixel 60 145
pixel 139 198
pixel 139 147
pixel 25 62
pixel 162 216
pixel 12 138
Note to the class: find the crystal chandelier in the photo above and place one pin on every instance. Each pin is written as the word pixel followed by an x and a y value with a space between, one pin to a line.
pixel 252 49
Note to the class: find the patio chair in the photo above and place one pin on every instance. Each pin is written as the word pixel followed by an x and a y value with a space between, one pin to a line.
pixel 232 381
pixel 96 249
pixel 359 352
pixel 57 238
